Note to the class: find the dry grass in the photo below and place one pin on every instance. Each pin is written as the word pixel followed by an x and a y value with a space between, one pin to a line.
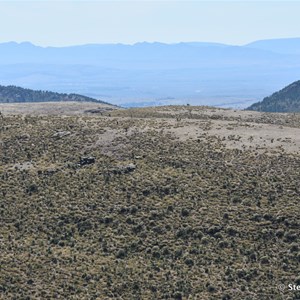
pixel 172 208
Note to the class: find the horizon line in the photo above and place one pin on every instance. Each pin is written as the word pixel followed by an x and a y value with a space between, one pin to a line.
pixel 146 42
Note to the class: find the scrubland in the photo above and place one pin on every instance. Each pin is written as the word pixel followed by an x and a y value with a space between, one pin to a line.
pixel 154 203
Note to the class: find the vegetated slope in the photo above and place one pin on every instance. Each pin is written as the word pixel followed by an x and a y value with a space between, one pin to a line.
pixel 11 94
pixel 119 207
pixel 286 100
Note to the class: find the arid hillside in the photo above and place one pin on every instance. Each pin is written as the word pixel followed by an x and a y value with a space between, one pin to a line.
pixel 175 202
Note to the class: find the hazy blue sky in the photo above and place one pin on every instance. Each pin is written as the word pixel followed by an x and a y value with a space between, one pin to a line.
pixel 60 23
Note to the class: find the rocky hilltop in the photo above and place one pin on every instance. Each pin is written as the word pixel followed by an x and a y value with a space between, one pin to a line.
pixel 286 100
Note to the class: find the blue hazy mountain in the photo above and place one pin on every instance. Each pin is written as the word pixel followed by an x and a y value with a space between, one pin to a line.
pixel 156 73
pixel 138 56
pixel 284 46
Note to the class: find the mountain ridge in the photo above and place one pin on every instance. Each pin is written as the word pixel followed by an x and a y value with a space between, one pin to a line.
pixel 284 46
pixel 285 100
pixel 15 94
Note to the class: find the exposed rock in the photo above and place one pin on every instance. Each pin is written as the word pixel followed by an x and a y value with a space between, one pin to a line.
pixel 48 172
pixel 24 136
pixel 98 110
pixel 23 166
pixel 61 134
pixel 86 161
pixel 124 169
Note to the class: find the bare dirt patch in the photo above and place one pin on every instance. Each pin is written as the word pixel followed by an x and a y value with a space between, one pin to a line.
pixel 53 108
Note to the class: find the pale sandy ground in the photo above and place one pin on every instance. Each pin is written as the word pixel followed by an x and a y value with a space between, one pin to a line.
pixel 262 138
pixel 51 108
pixel 244 135
pixel 244 130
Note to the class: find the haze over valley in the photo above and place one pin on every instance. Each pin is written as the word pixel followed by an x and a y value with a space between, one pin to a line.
pixel 147 74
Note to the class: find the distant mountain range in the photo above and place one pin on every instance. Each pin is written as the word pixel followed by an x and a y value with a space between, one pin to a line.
pixel 286 100
pixel 156 73
pixel 12 94
pixel 283 46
